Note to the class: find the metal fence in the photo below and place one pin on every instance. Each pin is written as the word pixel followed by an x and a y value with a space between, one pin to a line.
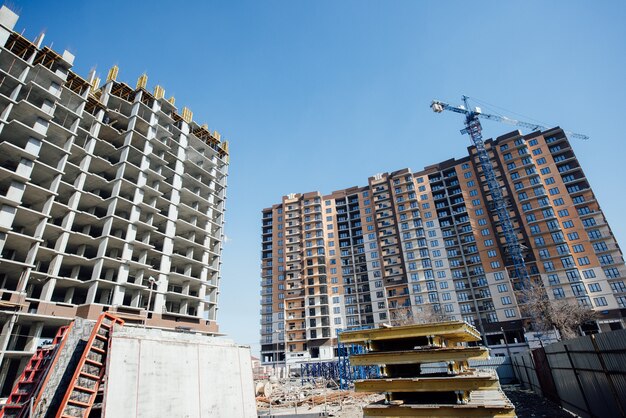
pixel 586 375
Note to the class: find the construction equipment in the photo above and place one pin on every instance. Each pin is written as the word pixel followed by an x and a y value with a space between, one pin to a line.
pixel 413 390
pixel 474 129
pixel 26 390
pixel 83 388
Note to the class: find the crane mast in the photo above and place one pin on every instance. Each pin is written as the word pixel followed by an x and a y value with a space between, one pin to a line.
pixel 474 129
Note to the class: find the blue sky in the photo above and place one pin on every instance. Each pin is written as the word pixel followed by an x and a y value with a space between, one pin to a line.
pixel 320 95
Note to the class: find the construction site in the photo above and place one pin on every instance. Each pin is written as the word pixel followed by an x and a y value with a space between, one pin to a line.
pixel 112 214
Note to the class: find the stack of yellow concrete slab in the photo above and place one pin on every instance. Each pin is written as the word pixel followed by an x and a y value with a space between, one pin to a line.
pixel 412 392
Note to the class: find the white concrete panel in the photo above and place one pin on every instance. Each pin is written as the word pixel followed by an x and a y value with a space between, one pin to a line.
pixel 160 373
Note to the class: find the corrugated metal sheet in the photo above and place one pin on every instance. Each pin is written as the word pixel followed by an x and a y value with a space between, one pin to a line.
pixel 590 379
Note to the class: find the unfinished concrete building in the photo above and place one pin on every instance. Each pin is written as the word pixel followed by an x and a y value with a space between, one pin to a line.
pixel 429 245
pixel 111 199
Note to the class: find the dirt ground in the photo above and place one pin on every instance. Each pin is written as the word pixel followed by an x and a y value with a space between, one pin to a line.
pixel 528 404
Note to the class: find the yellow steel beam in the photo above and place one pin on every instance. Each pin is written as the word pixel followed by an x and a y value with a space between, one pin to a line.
pixel 453 331
pixel 429 384
pixel 392 411
pixel 433 355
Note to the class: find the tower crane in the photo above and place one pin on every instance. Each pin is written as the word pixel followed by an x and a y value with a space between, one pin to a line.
pixel 474 129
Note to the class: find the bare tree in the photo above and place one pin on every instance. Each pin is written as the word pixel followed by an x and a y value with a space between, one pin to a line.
pixel 564 315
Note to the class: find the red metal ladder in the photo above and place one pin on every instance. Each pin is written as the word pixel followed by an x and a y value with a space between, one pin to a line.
pixel 83 388
pixel 31 379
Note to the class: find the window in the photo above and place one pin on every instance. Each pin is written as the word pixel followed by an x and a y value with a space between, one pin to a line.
pixel 589 274
pixel 545 170
pixel 553 191
pixel 559 202
pixel 541 161
pixel 594 234
pixel 567 262
pixel 618 287
pixel 572 236
pixel 488 242
pixel 601 301
pixel 502 288
pixel 606 259
pixel 506 300
pixel 578 248
pixel 553 279
pixel 558 293
pixel 612 272
pixel 583 261
pixel 595 287
pixel 572 275
pixel 578 289
pixel 557 237
pixel 509 313
pixel 568 224
pixel 600 247
pixel 563 213
pixel 495 264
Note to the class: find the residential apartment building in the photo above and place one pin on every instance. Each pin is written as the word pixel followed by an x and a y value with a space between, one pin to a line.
pixel 428 244
pixel 111 199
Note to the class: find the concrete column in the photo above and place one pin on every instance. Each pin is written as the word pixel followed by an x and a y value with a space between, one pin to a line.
pixel 33 336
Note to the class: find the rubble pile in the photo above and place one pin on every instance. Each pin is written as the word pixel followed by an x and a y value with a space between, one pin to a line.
pixel 321 396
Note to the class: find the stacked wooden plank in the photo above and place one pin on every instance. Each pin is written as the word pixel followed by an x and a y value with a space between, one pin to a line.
pixel 409 392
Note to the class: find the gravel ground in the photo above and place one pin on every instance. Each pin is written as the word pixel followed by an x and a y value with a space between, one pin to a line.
pixel 528 404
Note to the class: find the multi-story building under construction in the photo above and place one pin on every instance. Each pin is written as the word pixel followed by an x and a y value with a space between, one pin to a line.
pixel 111 199
pixel 428 244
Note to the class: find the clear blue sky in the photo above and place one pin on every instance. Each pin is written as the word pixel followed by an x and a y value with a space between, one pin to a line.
pixel 320 95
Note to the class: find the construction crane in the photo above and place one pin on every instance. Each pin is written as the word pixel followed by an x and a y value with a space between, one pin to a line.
pixel 474 129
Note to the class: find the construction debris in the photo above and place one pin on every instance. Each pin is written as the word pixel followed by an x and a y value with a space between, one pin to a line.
pixel 291 397
pixel 401 351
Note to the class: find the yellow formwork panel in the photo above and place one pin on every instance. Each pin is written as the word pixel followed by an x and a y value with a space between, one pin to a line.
pixel 452 331
pixel 480 381
pixel 430 355
pixel 393 411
